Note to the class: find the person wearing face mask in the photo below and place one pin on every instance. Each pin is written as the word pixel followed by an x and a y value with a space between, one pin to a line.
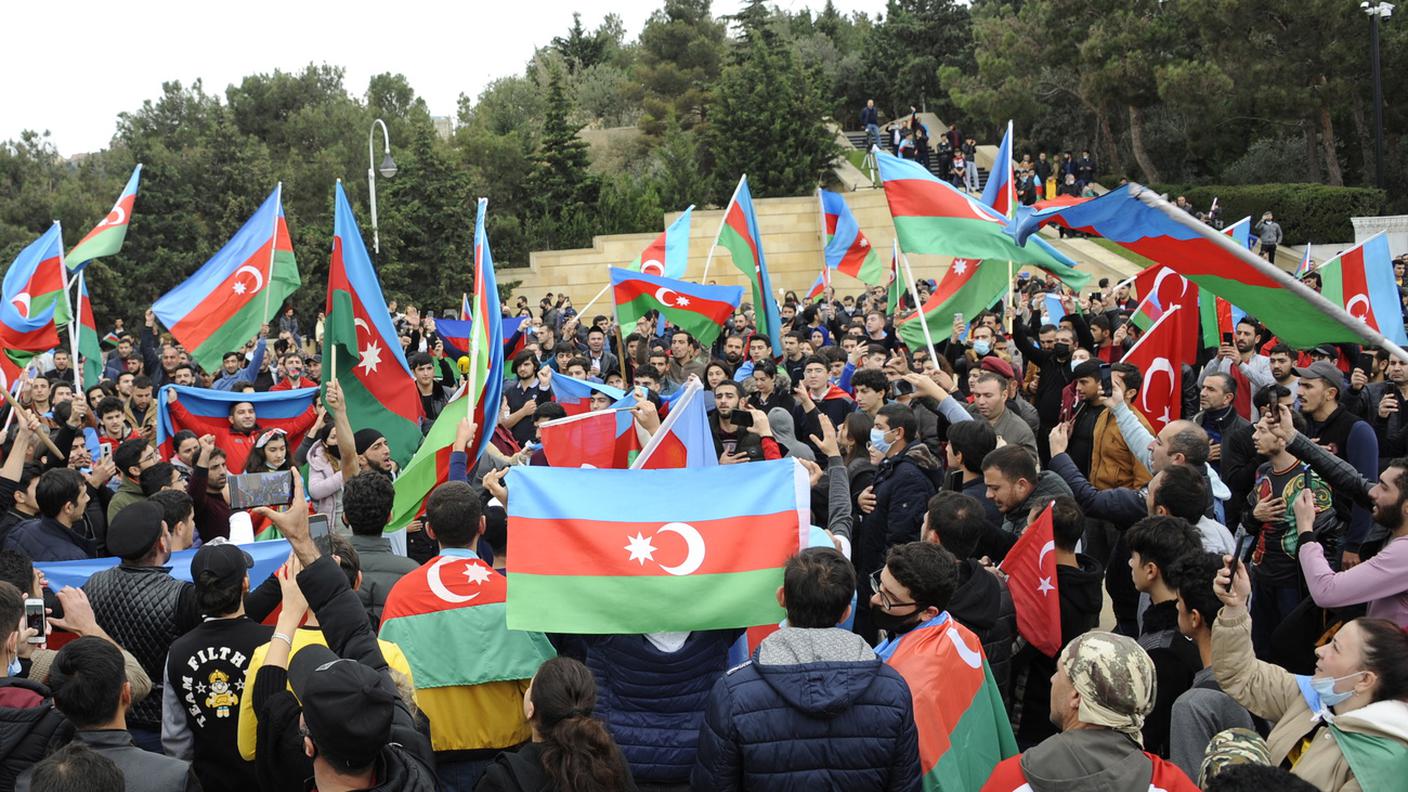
pixel 1343 728
pixel 1056 371
pixel 25 705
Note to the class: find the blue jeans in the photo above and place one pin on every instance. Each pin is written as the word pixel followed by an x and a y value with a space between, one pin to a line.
pixel 872 136
pixel 461 776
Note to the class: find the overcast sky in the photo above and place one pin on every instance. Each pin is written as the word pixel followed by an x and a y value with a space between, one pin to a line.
pixel 70 68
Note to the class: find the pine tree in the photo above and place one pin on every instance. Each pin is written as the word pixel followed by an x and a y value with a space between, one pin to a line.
pixel 564 193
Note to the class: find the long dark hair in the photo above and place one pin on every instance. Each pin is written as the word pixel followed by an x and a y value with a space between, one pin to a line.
pixel 578 753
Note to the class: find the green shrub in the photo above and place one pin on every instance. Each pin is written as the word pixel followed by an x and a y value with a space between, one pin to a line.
pixel 1307 212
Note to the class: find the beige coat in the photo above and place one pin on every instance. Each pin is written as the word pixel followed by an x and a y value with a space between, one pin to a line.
pixel 1271 692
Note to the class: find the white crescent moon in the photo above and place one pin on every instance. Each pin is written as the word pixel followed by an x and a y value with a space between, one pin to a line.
pixel 1159 364
pixel 362 323
pixel 652 267
pixel 972 658
pixel 258 277
pixel 695 557
pixel 21 303
pixel 1359 299
pixel 980 210
pixel 1046 548
pixel 1158 281
pixel 437 586
pixel 660 295
pixel 116 210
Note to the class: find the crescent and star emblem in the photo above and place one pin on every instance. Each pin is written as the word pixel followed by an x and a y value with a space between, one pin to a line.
pixel 21 303
pixel 116 217
pixel 239 286
pixel 475 573
pixel 642 550
pixel 1044 583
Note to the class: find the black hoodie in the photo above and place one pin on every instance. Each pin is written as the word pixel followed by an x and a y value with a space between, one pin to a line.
pixel 1081 600
pixel 983 604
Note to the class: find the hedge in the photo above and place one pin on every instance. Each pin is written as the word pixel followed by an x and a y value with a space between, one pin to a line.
pixel 1307 212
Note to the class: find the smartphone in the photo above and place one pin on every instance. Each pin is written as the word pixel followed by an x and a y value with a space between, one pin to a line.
pixel 104 451
pixel 248 490
pixel 1107 386
pixel 1236 559
pixel 34 619
pixel 317 525
pixel 741 418
pixel 900 388
pixel 1227 339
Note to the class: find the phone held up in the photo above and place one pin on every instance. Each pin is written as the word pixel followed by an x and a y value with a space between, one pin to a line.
pixel 248 490
pixel 34 619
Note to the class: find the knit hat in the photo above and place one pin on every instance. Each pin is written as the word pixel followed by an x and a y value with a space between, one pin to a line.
pixel 366 438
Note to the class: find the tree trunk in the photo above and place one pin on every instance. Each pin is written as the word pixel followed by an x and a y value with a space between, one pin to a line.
pixel 1366 140
pixel 1110 144
pixel 1312 158
pixel 1327 143
pixel 1136 142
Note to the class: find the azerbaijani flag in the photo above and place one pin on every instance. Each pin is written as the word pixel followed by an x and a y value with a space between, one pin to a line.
pixel 455 334
pixel 846 248
pixel 894 287
pixel 1241 231
pixel 486 342
pixel 818 288
pixel 365 354
pixel 1137 219
pixel 1305 265
pixel 1361 280
pixel 207 411
pixel 430 467
pixel 36 280
pixel 1158 288
pixel 26 330
pixel 963 727
pixel 106 237
pixel 968 287
pixel 739 234
pixel 1001 190
pixel 699 310
pixel 684 439
pixel 89 349
pixel 237 291
pixel 668 255
pixel 935 218
pixel 575 395
pixel 679 558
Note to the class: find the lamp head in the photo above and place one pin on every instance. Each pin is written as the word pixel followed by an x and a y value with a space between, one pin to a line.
pixel 388 166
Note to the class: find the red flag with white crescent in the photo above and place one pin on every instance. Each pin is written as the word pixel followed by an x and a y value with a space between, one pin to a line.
pixel 1031 578
pixel 1159 354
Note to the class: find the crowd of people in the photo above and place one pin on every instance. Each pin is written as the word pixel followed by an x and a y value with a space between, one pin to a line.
pixel 1233 585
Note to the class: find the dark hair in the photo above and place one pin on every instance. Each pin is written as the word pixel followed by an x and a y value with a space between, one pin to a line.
pixel 818 585
pixel 1192 577
pixel 128 455
pixel 820 360
pixel 689 339
pixel 1269 395
pixel 420 359
pixel 11 608
pixel 738 389
pixel 141 381
pixel 57 488
pixel 1183 492
pixel 366 503
pixel 766 367
pixel 524 357
pixel 176 506
pixel 496 528
pixel 929 571
pixel 1229 385
pixel 1067 522
pixel 549 411
pixel 108 404
pixel 1282 349
pixel 1192 443
pixel 857 426
pixel 871 379
pixel 974 440
pixel 28 472
pixel 1101 321
pixel 900 416
pixel 1386 654
pixel 1162 540
pixel 1251 777
pixel 335 544
pixel 214 601
pixel 761 337
pixel 1130 373
pixel 957 520
pixel 155 477
pixel 648 371
pixel 17 569
pixel 1013 462
pixel 578 752
pixel 452 511
pixel 181 437
pixel 75 768
pixel 86 679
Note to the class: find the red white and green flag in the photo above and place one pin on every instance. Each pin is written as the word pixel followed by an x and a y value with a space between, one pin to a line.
pixel 932 217
pixel 668 255
pixel 451 611
pixel 968 288
pixel 486 342
pixel 963 728
pixel 236 292
pixel 90 351
pixel 1361 280
pixel 430 467
pixel 639 551
pixel 699 310
pixel 107 236
pixel 844 245
pixel 365 355
pixel 739 234
pixel 1033 582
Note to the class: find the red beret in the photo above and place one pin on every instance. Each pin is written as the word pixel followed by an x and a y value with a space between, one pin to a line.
pixel 998 366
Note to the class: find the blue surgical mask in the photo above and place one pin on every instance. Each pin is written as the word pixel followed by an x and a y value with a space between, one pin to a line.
pixel 1075 363
pixel 982 346
pixel 15 667
pixel 1325 688
pixel 878 441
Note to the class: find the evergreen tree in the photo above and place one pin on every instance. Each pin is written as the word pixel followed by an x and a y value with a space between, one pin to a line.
pixel 562 191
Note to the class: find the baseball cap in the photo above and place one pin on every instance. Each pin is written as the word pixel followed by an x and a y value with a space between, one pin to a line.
pixel 226 563
pixel 1322 369
pixel 135 529
pixel 347 706
pixel 1325 350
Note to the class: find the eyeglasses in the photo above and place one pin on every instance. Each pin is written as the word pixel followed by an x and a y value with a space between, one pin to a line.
pixel 885 602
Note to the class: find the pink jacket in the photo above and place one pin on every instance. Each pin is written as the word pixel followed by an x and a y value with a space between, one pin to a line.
pixel 1382 581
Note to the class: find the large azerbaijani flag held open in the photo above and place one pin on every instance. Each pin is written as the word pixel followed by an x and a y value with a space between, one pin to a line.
pixel 739 234
pixel 847 248
pixel 639 551
pixel 935 218
pixel 963 727
pixel 365 355
pixel 237 291
pixel 1137 219
pixel 107 236
pixel 699 310
pixel 668 255
pixel 24 330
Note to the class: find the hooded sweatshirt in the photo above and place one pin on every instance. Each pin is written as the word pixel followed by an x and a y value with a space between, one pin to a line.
pixel 983 604
pixel 1088 760
pixel 784 431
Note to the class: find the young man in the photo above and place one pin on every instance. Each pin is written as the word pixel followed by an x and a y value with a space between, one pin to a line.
pixel 990 401
pixel 871 388
pixel 237 437
pixel 734 442
pixel 810 681
pixel 293 373
pixel 1329 424
pixel 433 397
pixel 1015 487
pixel 62 498
pixel 366 509
pixel 1155 544
pixel 131 457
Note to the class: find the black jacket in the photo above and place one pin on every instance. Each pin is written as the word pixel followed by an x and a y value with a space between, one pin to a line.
pixel 983 604
pixel 522 771
pixel 28 721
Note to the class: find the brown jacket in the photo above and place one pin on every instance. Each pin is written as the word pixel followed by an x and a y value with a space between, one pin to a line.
pixel 1272 692
pixel 1112 464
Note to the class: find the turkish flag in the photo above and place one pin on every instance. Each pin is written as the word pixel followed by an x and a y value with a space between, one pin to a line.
pixel 1031 577
pixel 1159 355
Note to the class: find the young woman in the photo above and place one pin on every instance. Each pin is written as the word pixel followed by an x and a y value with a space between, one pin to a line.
pixel 571 751
pixel 716 372
pixel 270 453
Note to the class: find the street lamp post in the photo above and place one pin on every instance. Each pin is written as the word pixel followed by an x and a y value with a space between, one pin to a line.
pixel 387 169
pixel 1376 12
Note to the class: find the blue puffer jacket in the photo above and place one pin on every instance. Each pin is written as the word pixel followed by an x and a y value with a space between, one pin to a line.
pixel 653 701
pixel 813 710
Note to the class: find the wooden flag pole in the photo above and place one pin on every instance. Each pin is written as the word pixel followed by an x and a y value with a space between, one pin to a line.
pixel 48 441
pixel 919 309
pixel 722 222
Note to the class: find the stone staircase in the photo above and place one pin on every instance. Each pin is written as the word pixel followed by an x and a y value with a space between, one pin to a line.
pixel 857 141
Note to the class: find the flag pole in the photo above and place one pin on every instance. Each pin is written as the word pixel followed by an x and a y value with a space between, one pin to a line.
pixel 273 251
pixel 69 281
pixel 589 305
pixel 1007 309
pixel 48 441
pixel 919 308
pixel 722 222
